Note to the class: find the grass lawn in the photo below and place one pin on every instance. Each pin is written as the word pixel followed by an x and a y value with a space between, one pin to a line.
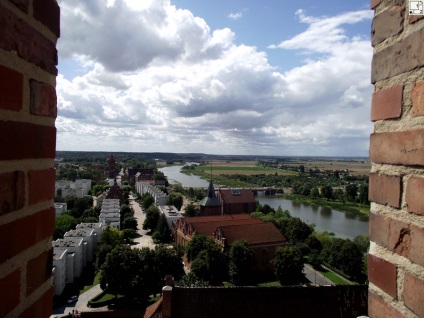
pixel 270 284
pixel 334 278
pixel 88 285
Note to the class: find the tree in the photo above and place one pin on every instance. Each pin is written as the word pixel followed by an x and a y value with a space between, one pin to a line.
pixel 152 218
pixel 109 239
pixel 162 231
pixel 314 193
pixel 190 210
pixel 63 224
pixel 210 265
pixel 351 191
pixel 288 263
pixel 363 243
pixel 147 201
pixel 363 194
pixel 129 222
pixel 327 192
pixel 175 199
pixel 296 231
pixel 196 245
pixel 240 262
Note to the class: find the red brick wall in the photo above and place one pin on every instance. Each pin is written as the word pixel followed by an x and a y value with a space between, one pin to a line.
pixel 28 59
pixel 396 260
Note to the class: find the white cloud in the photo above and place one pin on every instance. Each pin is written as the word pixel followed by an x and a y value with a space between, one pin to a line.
pixel 235 16
pixel 163 81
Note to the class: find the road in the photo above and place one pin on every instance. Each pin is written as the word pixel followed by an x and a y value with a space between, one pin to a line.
pixel 315 277
pixel 143 240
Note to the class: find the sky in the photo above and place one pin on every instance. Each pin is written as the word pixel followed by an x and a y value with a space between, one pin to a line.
pixel 247 77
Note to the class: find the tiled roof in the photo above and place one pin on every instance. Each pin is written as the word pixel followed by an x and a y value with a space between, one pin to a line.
pixel 154 310
pixel 253 233
pixel 237 196
pixel 214 218
pixel 208 228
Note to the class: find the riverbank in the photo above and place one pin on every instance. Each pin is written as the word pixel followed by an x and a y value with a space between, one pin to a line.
pixel 352 208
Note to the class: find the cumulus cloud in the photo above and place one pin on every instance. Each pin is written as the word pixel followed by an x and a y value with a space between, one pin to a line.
pixel 157 78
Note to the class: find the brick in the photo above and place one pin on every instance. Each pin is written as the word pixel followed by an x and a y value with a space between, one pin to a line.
pixel 387 103
pixel 39 270
pixel 43 99
pixel 24 140
pixel 378 308
pixel 403 148
pixel 41 185
pixel 383 274
pixel 414 199
pixel 417 98
pixel 21 4
pixel 9 290
pixel 390 233
pixel 399 57
pixel 385 189
pixel 11 89
pixel 386 24
pixel 27 42
pixel 41 308
pixel 414 18
pixel 416 253
pixel 48 13
pixel 21 234
pixel 413 294
pixel 374 3
pixel 12 191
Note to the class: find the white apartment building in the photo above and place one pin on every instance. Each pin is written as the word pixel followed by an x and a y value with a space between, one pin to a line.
pixel 98 230
pixel 60 208
pixel 171 213
pixel 59 273
pixel 74 248
pixel 111 219
pixel 87 234
pixel 159 196
pixel 78 188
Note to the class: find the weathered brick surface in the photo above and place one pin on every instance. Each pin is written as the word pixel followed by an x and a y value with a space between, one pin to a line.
pixel 387 23
pixel 378 308
pixel 416 253
pixel 16 35
pixel 21 234
pixel 11 89
pixel 392 234
pixel 48 13
pixel 41 185
pixel 399 57
pixel 12 191
pixel 21 4
pixel 374 3
pixel 39 270
pixel 23 140
pixel 405 147
pixel 41 308
pixel 43 99
pixel 385 189
pixel 382 274
pixel 9 291
pixel 417 97
pixel 414 195
pixel 413 294
pixel 387 103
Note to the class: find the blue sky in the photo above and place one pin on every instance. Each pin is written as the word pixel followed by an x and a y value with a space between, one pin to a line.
pixel 230 77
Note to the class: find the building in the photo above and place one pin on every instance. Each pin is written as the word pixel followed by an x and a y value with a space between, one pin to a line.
pixel 143 174
pixel 171 214
pixel 74 247
pixel 87 234
pixel 210 205
pixel 78 188
pixel 111 163
pixel 262 238
pixel 110 219
pixel 236 201
pixel 60 208
pixel 59 271
pixel 144 187
pixel 115 192
pixel 98 230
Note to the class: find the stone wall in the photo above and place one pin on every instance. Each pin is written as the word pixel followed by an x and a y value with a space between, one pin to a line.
pixel 28 58
pixel 396 259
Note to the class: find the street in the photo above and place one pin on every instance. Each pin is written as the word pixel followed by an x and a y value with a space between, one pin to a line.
pixel 315 277
pixel 143 240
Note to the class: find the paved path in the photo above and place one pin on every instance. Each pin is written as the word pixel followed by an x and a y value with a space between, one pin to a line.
pixel 143 240
pixel 315 277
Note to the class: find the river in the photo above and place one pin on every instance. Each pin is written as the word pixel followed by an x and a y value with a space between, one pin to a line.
pixel 342 224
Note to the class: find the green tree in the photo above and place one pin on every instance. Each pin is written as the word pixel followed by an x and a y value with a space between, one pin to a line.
pixel 314 193
pixel 240 262
pixel 363 243
pixel 196 245
pixel 175 199
pixel 129 222
pixel 288 263
pixel 351 191
pixel 363 194
pixel 162 228
pixel 147 201
pixel 296 231
pixel 152 218
pixel 210 265
pixel 190 210
pixel 63 224
pixel 327 192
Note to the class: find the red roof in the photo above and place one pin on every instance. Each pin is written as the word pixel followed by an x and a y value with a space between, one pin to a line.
pixel 208 228
pixel 236 196
pixel 253 233
pixel 213 218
